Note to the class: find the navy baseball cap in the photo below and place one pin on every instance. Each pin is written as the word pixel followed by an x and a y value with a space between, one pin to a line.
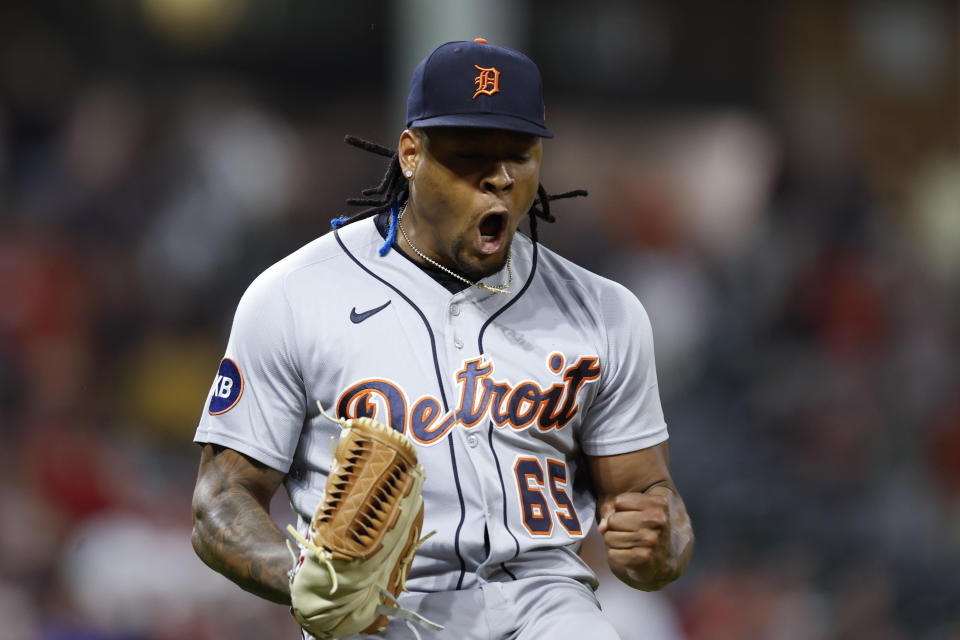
pixel 475 84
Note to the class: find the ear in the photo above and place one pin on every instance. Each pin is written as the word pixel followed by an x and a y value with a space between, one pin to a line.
pixel 409 149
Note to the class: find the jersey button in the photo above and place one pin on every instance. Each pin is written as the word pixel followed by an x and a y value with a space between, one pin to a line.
pixel 454 309
pixel 473 440
pixel 457 342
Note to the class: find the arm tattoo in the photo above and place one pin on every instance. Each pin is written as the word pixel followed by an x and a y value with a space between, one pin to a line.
pixel 233 532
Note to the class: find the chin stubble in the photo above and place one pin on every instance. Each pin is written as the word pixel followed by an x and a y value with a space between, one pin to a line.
pixel 473 273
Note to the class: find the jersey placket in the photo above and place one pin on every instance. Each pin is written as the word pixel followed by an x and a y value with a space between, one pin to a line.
pixel 466 314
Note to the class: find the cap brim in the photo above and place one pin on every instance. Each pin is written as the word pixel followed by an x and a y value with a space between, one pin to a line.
pixel 484 121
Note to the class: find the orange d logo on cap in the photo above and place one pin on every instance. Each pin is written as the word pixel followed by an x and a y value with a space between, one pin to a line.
pixel 488 82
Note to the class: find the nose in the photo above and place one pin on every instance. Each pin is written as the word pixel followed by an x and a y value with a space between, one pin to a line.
pixel 498 179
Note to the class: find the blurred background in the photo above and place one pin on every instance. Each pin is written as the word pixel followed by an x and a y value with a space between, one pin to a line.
pixel 778 182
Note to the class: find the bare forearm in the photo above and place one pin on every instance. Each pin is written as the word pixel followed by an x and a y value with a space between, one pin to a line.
pixel 232 529
pixel 236 537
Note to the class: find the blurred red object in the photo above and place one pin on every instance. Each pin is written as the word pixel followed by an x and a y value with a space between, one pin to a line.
pixel 66 463
pixel 945 449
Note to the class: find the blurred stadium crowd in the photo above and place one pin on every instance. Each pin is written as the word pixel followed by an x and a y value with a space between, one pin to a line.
pixel 780 186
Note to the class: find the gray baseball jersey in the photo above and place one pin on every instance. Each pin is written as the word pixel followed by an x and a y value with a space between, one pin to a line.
pixel 503 395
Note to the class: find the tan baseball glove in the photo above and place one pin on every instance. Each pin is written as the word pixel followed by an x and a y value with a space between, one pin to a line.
pixel 362 537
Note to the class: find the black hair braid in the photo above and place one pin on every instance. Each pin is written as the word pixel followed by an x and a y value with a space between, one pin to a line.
pixel 541 206
pixel 394 187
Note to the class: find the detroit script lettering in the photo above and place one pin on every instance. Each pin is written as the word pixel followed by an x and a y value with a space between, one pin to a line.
pixel 517 406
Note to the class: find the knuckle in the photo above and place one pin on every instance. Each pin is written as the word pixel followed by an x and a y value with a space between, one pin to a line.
pixel 649 538
pixel 641 555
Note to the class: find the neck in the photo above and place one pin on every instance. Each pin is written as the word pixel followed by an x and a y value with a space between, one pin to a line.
pixel 417 245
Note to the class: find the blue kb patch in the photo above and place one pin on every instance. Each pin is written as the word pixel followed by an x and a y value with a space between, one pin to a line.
pixel 227 388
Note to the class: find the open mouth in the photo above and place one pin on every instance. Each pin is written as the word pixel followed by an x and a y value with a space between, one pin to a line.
pixel 491 229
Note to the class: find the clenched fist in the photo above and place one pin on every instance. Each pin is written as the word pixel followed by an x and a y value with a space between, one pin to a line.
pixel 645 539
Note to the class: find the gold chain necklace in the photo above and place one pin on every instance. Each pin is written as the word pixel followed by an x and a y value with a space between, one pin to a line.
pixel 501 288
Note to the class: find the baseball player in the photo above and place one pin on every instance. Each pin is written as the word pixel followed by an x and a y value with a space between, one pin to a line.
pixel 526 383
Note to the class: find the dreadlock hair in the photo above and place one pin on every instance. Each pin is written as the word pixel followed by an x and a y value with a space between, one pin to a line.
pixel 394 189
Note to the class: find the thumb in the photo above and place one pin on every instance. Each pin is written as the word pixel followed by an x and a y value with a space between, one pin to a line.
pixel 605 511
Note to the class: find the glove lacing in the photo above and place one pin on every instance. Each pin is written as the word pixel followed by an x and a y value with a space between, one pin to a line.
pixel 391 611
pixel 323 556
pixel 408 616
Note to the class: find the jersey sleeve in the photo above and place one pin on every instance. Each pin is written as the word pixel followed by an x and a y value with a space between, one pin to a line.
pixel 626 414
pixel 256 404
